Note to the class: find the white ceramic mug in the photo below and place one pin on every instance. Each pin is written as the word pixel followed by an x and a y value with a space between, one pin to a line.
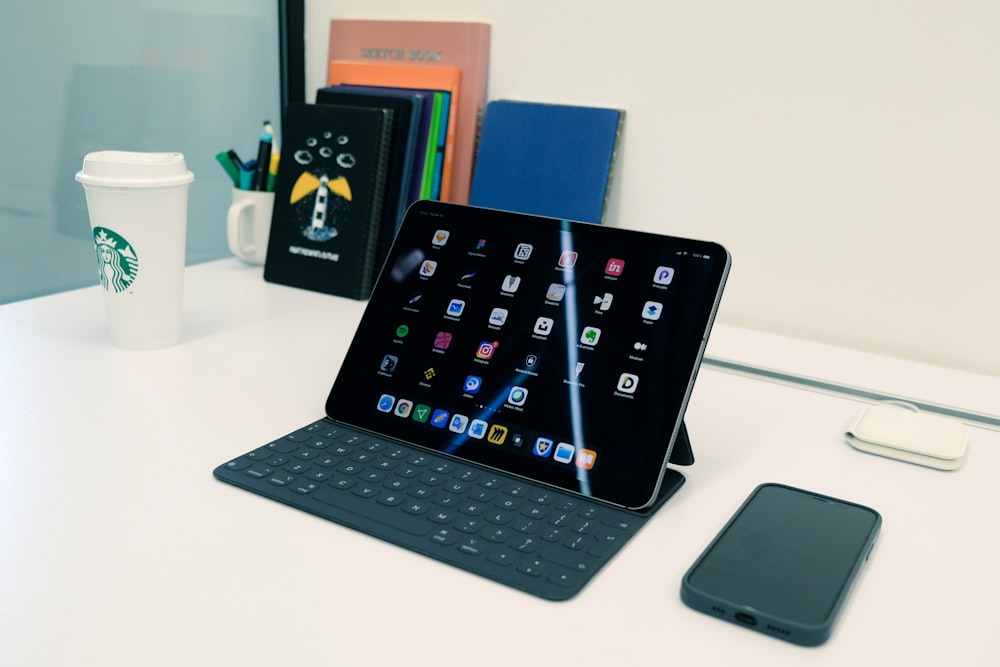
pixel 138 215
pixel 248 224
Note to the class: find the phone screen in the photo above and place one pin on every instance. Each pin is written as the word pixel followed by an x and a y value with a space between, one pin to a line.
pixel 784 563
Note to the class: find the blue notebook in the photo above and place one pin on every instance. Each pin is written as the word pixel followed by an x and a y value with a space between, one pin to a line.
pixel 546 159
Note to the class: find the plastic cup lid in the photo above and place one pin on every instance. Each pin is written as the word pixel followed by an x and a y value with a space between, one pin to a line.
pixel 134 169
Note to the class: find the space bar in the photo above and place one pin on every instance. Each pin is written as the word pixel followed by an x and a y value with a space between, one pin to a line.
pixel 366 510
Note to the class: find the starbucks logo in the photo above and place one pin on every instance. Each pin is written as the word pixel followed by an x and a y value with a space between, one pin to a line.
pixel 116 261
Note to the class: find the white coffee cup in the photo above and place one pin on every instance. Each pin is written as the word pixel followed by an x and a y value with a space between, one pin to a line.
pixel 248 224
pixel 138 214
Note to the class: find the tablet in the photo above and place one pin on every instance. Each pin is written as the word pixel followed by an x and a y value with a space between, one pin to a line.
pixel 558 351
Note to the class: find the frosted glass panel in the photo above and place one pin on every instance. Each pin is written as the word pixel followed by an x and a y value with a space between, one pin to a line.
pixel 195 77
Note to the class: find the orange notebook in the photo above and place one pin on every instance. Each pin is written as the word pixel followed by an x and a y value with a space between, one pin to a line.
pixel 408 76
pixel 458 44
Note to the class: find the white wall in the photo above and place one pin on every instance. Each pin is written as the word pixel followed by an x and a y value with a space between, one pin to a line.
pixel 846 152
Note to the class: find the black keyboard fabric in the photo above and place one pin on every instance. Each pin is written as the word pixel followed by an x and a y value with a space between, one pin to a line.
pixel 534 538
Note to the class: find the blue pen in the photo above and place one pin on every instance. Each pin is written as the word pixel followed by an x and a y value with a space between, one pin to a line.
pixel 263 162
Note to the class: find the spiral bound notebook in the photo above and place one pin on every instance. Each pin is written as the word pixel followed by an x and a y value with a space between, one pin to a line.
pixel 546 159
pixel 330 225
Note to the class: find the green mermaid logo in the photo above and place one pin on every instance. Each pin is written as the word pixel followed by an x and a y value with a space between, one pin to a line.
pixel 116 261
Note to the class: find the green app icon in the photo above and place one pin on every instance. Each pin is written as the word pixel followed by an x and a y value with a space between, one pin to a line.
pixel 402 330
pixel 421 413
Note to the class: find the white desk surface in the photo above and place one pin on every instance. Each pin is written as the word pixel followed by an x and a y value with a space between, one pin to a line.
pixel 120 548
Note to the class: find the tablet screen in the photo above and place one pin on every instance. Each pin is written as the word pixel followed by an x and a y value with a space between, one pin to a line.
pixel 558 351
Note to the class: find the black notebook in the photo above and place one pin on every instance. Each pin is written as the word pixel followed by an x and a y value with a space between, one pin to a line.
pixel 513 400
pixel 406 113
pixel 329 224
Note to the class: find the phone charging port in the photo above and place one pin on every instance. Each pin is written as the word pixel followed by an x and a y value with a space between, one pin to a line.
pixel 745 619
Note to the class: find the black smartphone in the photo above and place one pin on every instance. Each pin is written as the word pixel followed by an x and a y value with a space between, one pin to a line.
pixel 784 563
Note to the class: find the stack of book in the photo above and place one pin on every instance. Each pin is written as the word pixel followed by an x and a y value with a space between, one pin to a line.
pixel 397 122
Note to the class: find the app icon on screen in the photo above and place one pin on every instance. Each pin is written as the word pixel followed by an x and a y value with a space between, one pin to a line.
pixel 523 251
pixel 428 267
pixel 511 283
pixel 442 340
pixel 421 413
pixel 652 310
pixel 590 336
pixel 627 383
pixel 663 275
pixel 403 408
pixel 543 326
pixel 385 403
pixel 567 259
pixel 614 267
pixel 586 458
pixel 440 237
pixel 486 349
pixel 517 396
pixel 556 292
pixel 472 384
pixel 440 418
pixel 389 363
pixel 458 423
pixel 477 429
pixel 543 447
pixel 564 452
pixel 604 302
pixel 455 307
pixel 498 316
pixel 498 434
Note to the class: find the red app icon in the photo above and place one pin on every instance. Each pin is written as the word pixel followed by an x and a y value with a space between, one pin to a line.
pixel 567 259
pixel 614 267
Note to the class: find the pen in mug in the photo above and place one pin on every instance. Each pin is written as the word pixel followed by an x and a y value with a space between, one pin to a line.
pixel 263 162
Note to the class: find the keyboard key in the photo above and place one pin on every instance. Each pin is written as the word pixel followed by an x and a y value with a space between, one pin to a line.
pixel 491 482
pixel 284 446
pixel 445 536
pixel 391 499
pixel 320 443
pixel 473 546
pixel 499 517
pixel 502 556
pixel 240 463
pixel 524 544
pixel 442 516
pixel 532 567
pixel 498 535
pixel 281 479
pixel 396 484
pixel 258 470
pixel 469 525
pixel 416 507
pixel 567 579
pixel 365 490
pixel 472 509
pixel 574 561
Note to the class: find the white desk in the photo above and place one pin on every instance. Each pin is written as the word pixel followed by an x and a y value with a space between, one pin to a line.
pixel 119 547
